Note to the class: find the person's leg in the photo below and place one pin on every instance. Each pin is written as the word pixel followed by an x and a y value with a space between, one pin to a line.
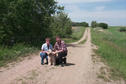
pixel 51 61
pixel 64 60
pixel 42 55
pixel 46 59
pixel 54 60
pixel 62 57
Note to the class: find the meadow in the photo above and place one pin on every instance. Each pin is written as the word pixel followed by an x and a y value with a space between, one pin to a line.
pixel 112 48
pixel 77 33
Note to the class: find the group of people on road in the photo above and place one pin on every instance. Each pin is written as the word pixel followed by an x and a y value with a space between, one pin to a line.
pixel 59 50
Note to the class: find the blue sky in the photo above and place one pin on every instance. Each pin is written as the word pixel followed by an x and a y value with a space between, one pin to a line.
pixel 112 12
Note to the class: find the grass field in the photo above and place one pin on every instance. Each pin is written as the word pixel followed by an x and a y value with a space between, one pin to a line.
pixel 77 33
pixel 8 55
pixel 112 47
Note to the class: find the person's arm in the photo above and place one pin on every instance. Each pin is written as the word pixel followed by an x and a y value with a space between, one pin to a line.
pixel 55 49
pixel 43 51
pixel 59 51
pixel 64 47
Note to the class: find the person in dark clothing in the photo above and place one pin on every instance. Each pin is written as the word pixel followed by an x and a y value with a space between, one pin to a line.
pixel 60 49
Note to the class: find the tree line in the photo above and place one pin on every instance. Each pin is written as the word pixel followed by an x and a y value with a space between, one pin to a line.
pixel 31 21
pixel 94 24
pixel 85 24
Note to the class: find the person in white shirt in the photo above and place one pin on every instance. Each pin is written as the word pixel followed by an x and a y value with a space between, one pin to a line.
pixel 44 50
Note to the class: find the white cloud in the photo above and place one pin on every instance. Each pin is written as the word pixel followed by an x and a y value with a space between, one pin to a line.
pixel 100 8
pixel 98 14
pixel 113 17
pixel 77 14
pixel 80 1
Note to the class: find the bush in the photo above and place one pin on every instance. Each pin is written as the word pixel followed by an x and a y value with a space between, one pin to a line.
pixel 103 25
pixel 61 25
pixel 93 24
pixel 122 29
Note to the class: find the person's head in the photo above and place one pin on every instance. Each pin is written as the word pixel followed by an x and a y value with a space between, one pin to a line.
pixel 47 40
pixel 58 39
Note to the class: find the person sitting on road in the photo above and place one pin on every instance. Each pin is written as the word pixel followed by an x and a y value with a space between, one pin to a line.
pixel 44 50
pixel 61 49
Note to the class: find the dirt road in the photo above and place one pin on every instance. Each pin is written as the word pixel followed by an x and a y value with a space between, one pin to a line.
pixel 81 68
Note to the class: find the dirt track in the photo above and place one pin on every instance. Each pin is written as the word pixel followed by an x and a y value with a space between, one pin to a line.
pixel 80 69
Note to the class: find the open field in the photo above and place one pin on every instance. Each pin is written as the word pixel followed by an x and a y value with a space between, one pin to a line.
pixel 77 33
pixel 112 48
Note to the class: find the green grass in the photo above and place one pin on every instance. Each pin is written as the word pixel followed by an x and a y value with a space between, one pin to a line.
pixel 77 33
pixel 8 55
pixel 82 42
pixel 112 47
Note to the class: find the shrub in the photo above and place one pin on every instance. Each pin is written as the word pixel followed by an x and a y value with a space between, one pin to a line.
pixel 122 29
pixel 93 24
pixel 103 25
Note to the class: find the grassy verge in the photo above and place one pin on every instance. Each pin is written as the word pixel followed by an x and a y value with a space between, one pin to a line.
pixel 76 34
pixel 8 55
pixel 82 42
pixel 112 48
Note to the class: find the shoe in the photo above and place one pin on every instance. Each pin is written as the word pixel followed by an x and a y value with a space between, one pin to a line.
pixel 62 65
pixel 42 64
pixel 46 63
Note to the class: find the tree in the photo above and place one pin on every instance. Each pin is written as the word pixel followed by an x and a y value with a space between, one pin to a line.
pixel 25 20
pixel 93 24
pixel 103 25
pixel 61 25
pixel 85 24
pixel 31 21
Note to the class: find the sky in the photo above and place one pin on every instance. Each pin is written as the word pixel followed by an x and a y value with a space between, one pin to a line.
pixel 112 12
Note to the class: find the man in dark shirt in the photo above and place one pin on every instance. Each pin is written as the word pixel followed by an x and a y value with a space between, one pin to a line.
pixel 61 49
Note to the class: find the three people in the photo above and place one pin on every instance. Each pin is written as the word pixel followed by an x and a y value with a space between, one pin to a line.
pixel 59 48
